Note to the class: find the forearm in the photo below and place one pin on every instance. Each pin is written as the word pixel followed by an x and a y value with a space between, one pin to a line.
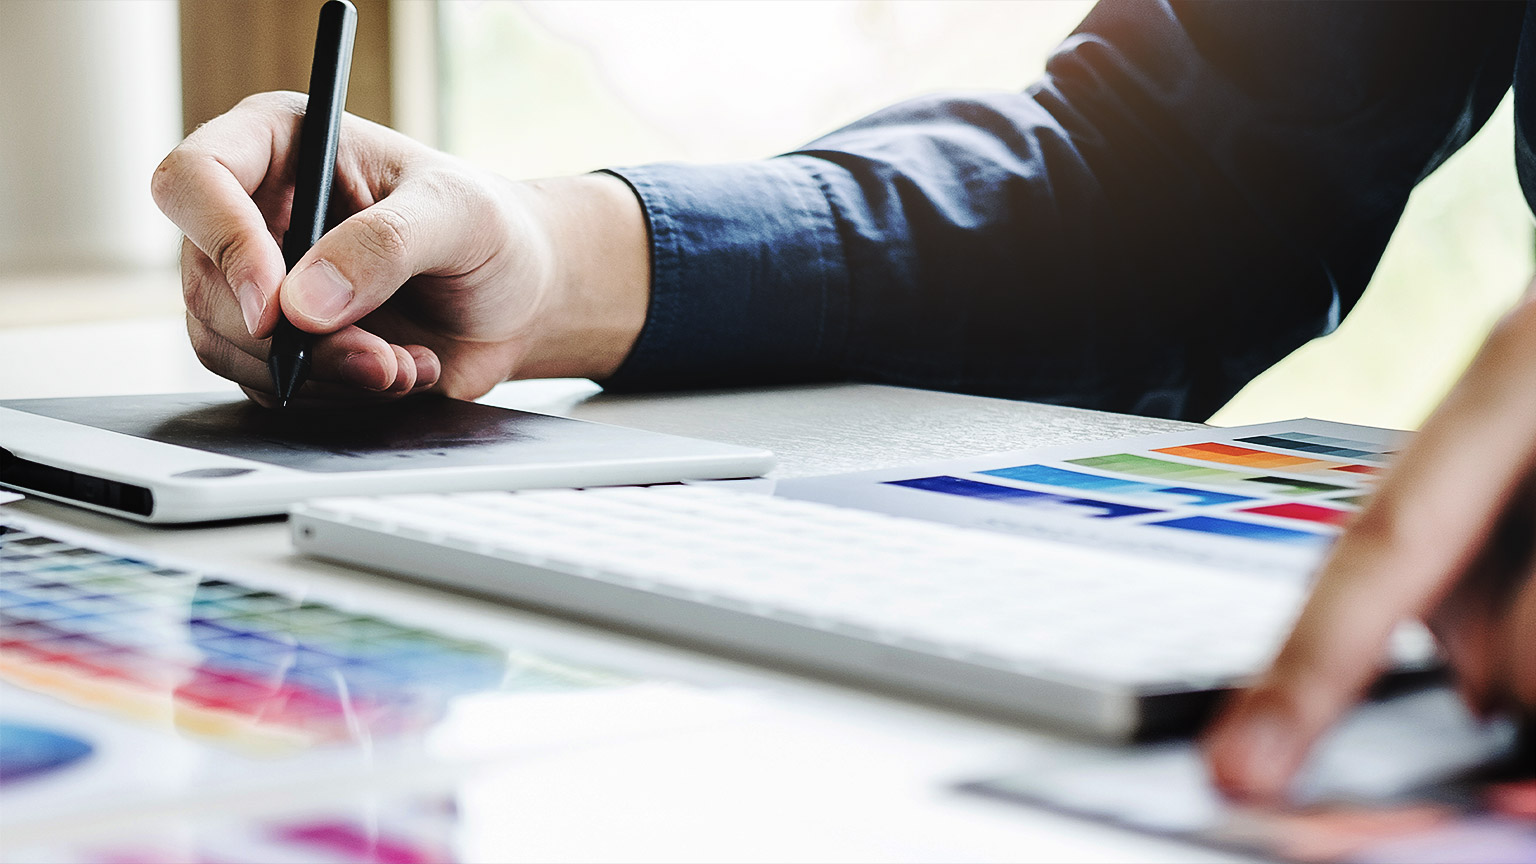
pixel 1163 216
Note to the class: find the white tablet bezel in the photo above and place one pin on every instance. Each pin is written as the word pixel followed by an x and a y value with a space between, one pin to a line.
pixel 266 489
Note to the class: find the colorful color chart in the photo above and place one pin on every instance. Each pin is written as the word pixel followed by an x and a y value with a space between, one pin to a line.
pixel 260 671
pixel 1162 469
pixel 1279 484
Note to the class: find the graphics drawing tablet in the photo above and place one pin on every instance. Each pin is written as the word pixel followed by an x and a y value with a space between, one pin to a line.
pixel 203 456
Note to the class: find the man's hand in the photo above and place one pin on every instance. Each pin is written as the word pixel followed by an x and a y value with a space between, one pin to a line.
pixel 440 276
pixel 1448 538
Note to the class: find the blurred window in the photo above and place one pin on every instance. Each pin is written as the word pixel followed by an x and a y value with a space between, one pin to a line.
pixel 544 87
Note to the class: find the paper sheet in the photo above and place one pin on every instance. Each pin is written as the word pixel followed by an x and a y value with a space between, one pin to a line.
pixel 1414 779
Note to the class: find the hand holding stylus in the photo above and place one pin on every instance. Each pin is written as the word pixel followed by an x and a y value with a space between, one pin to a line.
pixel 442 276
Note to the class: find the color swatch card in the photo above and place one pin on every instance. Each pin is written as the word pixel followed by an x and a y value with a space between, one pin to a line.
pixel 1262 497
pixel 131 685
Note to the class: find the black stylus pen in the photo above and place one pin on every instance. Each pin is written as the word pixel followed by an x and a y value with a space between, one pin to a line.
pixel 290 354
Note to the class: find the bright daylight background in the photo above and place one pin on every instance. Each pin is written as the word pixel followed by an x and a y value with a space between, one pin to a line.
pixel 548 87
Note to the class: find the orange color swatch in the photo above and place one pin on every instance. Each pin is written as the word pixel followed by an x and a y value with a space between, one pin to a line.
pixel 1230 455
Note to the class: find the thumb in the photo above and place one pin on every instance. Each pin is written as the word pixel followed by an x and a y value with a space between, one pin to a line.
pixel 361 262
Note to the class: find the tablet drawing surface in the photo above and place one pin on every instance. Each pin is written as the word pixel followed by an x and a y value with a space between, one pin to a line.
pixel 417 433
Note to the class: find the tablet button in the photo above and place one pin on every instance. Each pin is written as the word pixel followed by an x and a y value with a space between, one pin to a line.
pixel 213 472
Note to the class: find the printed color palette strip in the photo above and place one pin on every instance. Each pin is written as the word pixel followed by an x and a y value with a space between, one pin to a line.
pixel 1244 530
pixel 1025 497
pixel 1162 469
pixel 1303 512
pixel 1212 451
pixel 1321 445
pixel 1046 475
pixel 1226 453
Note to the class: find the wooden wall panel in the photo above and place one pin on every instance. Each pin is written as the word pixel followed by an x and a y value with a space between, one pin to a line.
pixel 233 48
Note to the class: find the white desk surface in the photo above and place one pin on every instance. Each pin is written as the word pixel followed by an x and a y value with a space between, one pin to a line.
pixel 837 774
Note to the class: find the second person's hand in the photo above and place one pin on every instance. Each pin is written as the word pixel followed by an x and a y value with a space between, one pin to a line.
pixel 1447 539
pixel 440 276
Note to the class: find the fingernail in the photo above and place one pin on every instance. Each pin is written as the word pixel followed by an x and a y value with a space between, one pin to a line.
pixel 1263 744
pixel 364 369
pixel 405 370
pixel 252 304
pixel 427 370
pixel 320 292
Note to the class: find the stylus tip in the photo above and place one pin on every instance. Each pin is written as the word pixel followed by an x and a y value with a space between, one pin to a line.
pixel 288 374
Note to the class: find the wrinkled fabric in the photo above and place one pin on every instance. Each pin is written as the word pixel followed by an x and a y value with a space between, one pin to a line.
pixel 1191 191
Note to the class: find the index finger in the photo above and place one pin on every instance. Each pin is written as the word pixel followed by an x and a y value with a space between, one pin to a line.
pixel 1424 527
pixel 205 187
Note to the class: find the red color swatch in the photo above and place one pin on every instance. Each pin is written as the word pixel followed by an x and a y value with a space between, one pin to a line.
pixel 1303 512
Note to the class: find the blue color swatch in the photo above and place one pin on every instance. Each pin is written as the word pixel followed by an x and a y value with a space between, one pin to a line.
pixel 1244 530
pixel 1025 497
pixel 1047 475
pixel 29 751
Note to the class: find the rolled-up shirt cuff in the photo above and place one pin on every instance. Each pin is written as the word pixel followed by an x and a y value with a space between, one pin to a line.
pixel 748 278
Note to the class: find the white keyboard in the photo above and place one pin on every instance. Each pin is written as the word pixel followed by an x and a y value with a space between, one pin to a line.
pixel 1099 642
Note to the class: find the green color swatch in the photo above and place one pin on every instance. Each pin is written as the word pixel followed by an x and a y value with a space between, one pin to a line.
pixel 1160 469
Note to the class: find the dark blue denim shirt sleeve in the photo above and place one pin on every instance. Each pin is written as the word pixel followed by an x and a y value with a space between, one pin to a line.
pixel 1188 193
pixel 748 281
